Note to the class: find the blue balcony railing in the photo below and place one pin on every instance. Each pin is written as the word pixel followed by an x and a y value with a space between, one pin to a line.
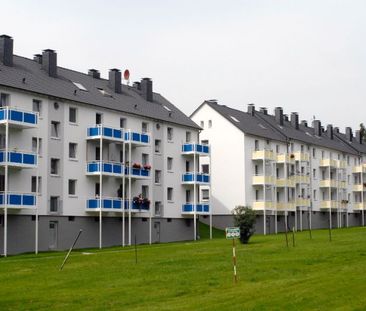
pixel 115 204
pixel 112 168
pixel 18 116
pixel 105 132
pixel 198 178
pixel 135 137
pixel 137 172
pixel 196 148
pixel 200 208
pixel 18 200
pixel 18 158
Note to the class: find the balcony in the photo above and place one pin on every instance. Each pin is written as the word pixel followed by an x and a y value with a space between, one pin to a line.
pixel 285 158
pixel 342 164
pixel 104 132
pixel 18 118
pixel 137 138
pixel 261 180
pixel 327 204
pixel 302 179
pixel 285 182
pixel 281 206
pixel 200 208
pixel 301 156
pixel 359 187
pixel 359 169
pixel 20 159
pixel 107 168
pixel 358 206
pixel 261 205
pixel 18 200
pixel 263 155
pixel 198 178
pixel 328 183
pixel 137 172
pixel 328 163
pixel 303 202
pixel 199 149
pixel 115 205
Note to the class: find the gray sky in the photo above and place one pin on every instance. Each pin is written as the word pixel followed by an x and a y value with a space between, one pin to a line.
pixel 306 56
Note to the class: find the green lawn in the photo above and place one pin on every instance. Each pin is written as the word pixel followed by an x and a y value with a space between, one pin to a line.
pixel 314 275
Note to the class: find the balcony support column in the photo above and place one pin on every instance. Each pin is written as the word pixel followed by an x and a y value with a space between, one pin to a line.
pixel 6 187
pixel 100 185
pixel 209 190
pixel 151 192
pixel 123 194
pixel 362 196
pixel 264 195
pixel 129 189
pixel 330 199
pixel 194 197
pixel 37 192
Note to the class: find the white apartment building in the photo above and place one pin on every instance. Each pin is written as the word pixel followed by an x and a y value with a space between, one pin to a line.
pixel 294 175
pixel 78 152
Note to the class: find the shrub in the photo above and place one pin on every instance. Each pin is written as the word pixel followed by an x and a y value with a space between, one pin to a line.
pixel 244 218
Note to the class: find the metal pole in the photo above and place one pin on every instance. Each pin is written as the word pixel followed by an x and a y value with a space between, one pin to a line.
pixel 330 201
pixel 100 184
pixel 72 246
pixel 6 186
pixel 123 194
pixel 194 197
pixel 129 189
pixel 234 262
pixel 210 190
pixel 151 187
pixel 37 189
pixel 264 193
pixel 362 196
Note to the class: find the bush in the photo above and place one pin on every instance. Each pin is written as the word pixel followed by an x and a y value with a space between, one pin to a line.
pixel 244 218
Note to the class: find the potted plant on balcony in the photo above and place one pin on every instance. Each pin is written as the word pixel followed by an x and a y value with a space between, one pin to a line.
pixel 147 167
pixel 292 156
pixel 136 165
pixel 137 201
pixel 145 204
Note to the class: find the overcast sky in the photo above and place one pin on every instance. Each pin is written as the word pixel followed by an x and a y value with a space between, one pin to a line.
pixel 306 56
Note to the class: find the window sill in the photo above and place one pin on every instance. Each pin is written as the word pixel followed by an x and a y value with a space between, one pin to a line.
pixel 74 159
pixel 73 124
pixel 170 201
pixel 73 196
pixel 55 175
pixel 157 184
pixel 171 172
pixel 170 141
pixel 55 138
pixel 158 153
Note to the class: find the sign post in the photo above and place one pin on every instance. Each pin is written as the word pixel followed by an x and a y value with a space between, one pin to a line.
pixel 233 233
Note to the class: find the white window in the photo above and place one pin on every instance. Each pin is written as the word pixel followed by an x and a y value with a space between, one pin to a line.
pixel 202 124
pixel 157 176
pixel 314 195
pixel 277 149
pixel 170 194
pixel 55 166
pixel 34 145
pixel 122 123
pixel 205 195
pixel 188 137
pixel 80 86
pixel 98 118
pixel 4 100
pixel 145 191
pixel 37 106
pixel 72 186
pixel 157 145
pixel 72 115
pixel 205 169
pixel 204 142
pixel 54 204
pixel 55 129
pixel 144 127
pixel 314 153
pixel 209 123
pixel 170 133
pixel 158 208
pixel 256 145
pixel 34 184
pixel 170 164
pixel 145 159
pixel 314 173
pixel 72 150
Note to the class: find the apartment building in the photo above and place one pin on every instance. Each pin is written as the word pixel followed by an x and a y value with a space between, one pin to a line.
pixel 293 174
pixel 78 152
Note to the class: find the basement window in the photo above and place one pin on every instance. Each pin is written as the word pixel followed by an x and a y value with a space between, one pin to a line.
pixel 80 86
pixel 235 119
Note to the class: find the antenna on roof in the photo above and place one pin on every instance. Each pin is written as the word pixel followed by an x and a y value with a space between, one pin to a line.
pixel 126 76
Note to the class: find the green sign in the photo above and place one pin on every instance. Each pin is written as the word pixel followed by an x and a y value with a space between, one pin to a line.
pixel 232 233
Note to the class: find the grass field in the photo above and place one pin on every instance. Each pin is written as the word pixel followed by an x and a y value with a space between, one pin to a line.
pixel 314 275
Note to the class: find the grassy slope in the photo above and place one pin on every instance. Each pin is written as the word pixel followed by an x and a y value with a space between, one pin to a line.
pixel 315 275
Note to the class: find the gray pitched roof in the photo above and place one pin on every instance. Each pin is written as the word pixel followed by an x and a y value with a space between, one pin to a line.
pixel 265 125
pixel 130 101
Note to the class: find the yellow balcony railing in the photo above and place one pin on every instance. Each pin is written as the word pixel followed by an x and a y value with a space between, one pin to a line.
pixel 341 164
pixel 285 206
pixel 302 179
pixel 285 182
pixel 328 204
pixel 358 187
pixel 358 206
pixel 285 157
pixel 359 169
pixel 301 156
pixel 327 183
pixel 261 180
pixel 263 155
pixel 303 202
pixel 261 205
pixel 328 162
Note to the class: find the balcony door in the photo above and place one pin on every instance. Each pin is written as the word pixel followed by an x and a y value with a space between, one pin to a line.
pixel 53 226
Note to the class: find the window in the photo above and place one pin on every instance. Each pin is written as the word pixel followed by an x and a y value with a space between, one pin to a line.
pixel 157 176
pixel 98 118
pixel 302 148
pixel 34 184
pixel 145 159
pixel 144 127
pixel 323 154
pixel 157 145
pixel 256 194
pixel 55 129
pixel 170 194
pixel 349 179
pixel 34 145
pixel 72 115
pixel 97 189
pixel 209 123
pixel 158 208
pixel 347 160
pixel 188 166
pixel 205 194
pixel 256 145
pixel 277 149
pixel 72 186
pixel 145 191
pixel 72 150
pixel 122 123
pixel 97 153
pixel 37 106
pixel 314 173
pixel 170 164
pixel 314 195
pixel 170 133
pixel 314 153
pixel 55 166
pixel 204 142
pixel 188 137
pixel 80 86
pixel 4 100
pixel 205 169
pixel 54 204
pixel 202 123
pixel 235 119
pixel 188 196
pixel 104 92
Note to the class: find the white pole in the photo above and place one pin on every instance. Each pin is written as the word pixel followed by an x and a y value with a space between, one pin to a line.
pixel 210 191
pixel 194 196
pixel 151 186
pixel 264 193
pixel 123 193
pixel 100 183
pixel 6 186
pixel 37 190
pixel 129 189
pixel 362 195
pixel 286 189
pixel 330 198
pixel 275 195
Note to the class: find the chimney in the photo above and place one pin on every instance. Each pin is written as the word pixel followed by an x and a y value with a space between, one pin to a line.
pixel 49 62
pixel 304 123
pixel 336 130
pixel 349 134
pixel 6 50
pixel 330 131
pixel 37 58
pixel 264 110
pixel 295 120
pixel 147 89
pixel 251 109
pixel 279 115
pixel 94 73
pixel 317 128
pixel 358 137
pixel 137 85
pixel 115 78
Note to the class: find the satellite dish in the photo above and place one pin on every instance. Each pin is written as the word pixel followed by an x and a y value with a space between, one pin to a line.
pixel 126 74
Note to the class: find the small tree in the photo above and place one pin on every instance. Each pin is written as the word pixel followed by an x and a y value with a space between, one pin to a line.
pixel 244 218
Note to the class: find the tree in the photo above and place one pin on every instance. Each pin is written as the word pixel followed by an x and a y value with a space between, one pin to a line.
pixel 244 218
pixel 363 132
